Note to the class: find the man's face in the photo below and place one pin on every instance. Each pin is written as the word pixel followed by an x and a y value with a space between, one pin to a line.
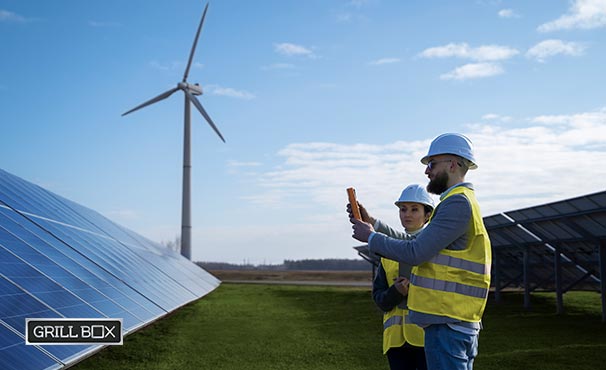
pixel 437 171
pixel 439 183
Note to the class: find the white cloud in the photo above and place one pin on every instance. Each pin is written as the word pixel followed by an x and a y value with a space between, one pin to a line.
pixel 463 50
pixel 490 116
pixel 496 118
pixel 583 14
pixel 474 70
pixel 551 120
pixel 514 166
pixel 508 13
pixel 485 55
pixel 549 48
pixel 555 157
pixel 7 16
pixel 289 49
pixel 228 91
pixel 583 130
pixel 385 61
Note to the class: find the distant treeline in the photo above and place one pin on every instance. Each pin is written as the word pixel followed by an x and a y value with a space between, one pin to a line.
pixel 331 264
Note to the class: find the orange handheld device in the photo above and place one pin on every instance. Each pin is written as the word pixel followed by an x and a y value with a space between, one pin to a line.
pixel 351 194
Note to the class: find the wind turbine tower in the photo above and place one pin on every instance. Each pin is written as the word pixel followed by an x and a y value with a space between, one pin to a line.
pixel 190 92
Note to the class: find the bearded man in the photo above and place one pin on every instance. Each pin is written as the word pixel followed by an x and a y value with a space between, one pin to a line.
pixel 452 257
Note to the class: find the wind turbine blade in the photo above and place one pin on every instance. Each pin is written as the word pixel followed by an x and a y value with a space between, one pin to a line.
pixel 153 100
pixel 193 99
pixel 193 47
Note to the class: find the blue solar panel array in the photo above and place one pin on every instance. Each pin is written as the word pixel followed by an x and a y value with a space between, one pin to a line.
pixel 559 246
pixel 59 259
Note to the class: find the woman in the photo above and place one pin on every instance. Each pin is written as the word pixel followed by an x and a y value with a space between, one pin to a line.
pixel 402 341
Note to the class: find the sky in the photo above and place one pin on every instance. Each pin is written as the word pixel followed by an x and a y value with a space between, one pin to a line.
pixel 312 97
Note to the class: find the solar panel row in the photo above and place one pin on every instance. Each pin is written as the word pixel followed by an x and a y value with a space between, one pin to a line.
pixel 530 238
pixel 60 259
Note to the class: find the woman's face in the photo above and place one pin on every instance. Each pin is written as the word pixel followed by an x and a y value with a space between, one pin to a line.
pixel 412 215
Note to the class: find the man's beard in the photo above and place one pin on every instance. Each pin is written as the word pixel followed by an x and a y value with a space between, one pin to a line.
pixel 439 184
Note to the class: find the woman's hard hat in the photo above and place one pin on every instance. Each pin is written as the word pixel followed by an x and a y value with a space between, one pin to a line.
pixel 415 193
pixel 450 143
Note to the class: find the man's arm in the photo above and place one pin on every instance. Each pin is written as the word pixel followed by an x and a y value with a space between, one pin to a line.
pixel 447 229
pixel 383 228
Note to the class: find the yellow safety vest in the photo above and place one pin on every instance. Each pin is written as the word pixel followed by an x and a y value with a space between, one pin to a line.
pixel 397 330
pixel 455 283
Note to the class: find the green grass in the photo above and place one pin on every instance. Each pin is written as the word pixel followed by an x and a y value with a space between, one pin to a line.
pixel 261 327
pixel 515 338
pixel 246 326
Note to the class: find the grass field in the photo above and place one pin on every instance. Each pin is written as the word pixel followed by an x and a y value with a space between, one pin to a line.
pixel 293 275
pixel 247 326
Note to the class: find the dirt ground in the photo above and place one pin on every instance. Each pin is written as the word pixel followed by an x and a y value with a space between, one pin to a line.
pixel 273 275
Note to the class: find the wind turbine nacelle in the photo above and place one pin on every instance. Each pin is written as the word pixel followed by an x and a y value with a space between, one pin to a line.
pixel 194 89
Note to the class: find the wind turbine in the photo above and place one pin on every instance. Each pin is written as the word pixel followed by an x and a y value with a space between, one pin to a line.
pixel 190 91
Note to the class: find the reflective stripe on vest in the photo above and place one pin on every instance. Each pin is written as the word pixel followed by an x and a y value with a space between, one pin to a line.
pixel 441 259
pixel 396 320
pixel 449 286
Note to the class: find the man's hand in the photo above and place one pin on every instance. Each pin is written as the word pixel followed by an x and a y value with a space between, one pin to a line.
pixel 361 229
pixel 366 217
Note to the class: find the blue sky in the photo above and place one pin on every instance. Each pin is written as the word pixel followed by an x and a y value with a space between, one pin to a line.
pixel 312 97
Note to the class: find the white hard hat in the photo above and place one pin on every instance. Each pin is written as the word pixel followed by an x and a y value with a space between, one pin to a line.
pixel 415 193
pixel 456 144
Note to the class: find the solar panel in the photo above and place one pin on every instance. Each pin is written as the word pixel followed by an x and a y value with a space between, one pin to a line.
pixel 554 247
pixel 59 259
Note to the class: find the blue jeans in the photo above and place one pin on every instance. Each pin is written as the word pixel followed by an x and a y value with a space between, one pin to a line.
pixel 448 349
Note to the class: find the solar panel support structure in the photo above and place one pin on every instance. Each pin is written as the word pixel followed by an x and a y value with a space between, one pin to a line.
pixel 557 266
pixel 526 278
pixel 497 278
pixel 553 247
